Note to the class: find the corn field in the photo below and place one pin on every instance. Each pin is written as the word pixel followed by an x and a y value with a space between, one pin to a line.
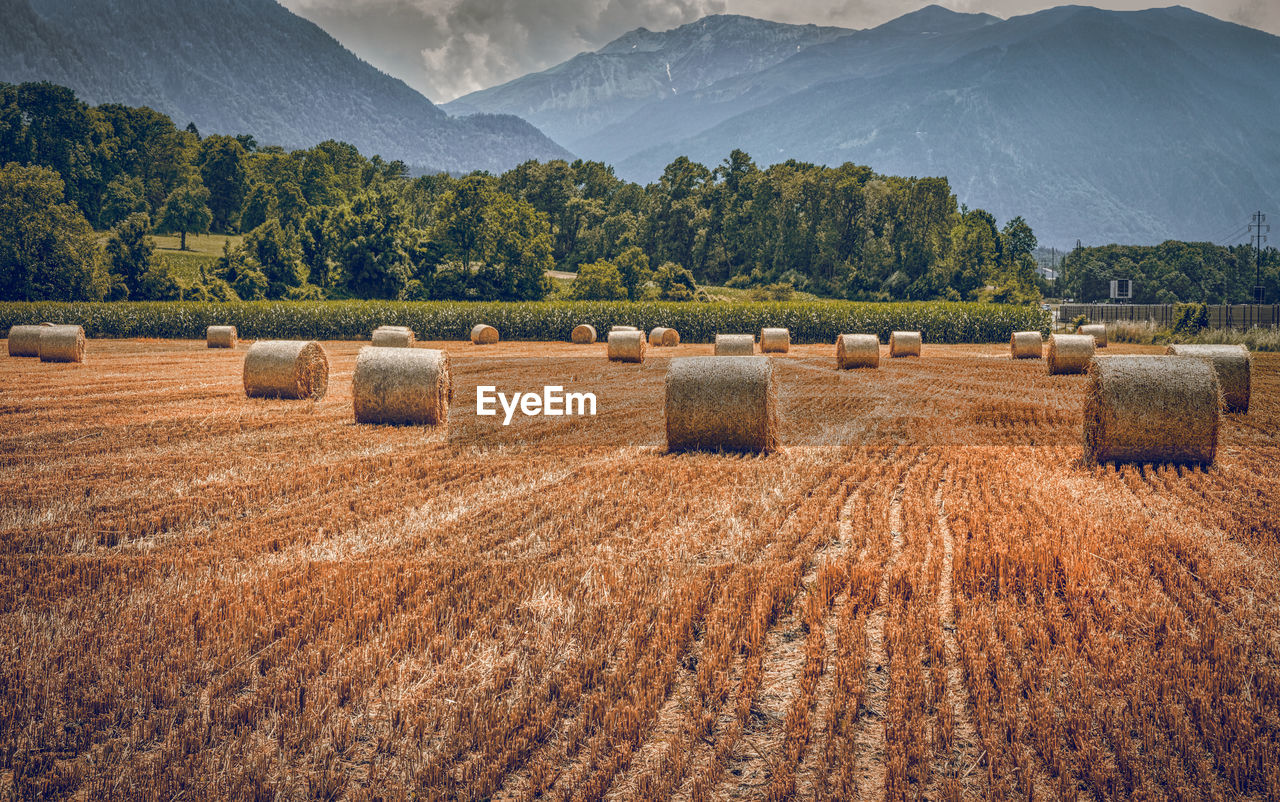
pixel 923 594
pixel 809 321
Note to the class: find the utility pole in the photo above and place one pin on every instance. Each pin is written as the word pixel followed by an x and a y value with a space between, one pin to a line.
pixel 1258 229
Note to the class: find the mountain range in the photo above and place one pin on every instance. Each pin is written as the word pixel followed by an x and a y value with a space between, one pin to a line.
pixel 249 67
pixel 1095 125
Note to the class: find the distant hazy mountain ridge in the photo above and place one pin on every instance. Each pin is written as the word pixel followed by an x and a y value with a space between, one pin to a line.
pixel 1095 125
pixel 247 66
pixel 592 90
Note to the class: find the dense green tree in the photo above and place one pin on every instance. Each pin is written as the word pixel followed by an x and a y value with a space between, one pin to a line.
pixel 159 283
pixel 147 144
pixel 273 251
pixel 633 266
pixel 48 252
pixel 460 218
pixel 259 207
pixel 123 196
pixel 675 283
pixel 130 254
pixel 223 171
pixel 187 210
pixel 315 239
pixel 370 246
pixel 518 246
pixel 598 281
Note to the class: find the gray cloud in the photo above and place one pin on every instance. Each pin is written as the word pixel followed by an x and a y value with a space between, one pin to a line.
pixel 446 48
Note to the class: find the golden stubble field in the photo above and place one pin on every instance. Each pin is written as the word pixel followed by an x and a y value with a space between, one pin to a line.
pixel 923 594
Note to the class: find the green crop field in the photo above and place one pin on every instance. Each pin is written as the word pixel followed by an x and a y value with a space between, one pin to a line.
pixel 809 321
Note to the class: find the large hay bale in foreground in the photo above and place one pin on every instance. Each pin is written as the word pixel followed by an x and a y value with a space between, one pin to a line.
pixel 905 343
pixel 721 403
pixel 1151 409
pixel 584 334
pixel 626 346
pixel 1026 345
pixel 857 351
pixel 401 385
pixel 393 337
pixel 1069 353
pixel 484 335
pixel 775 341
pixel 286 369
pixel 61 344
pixel 221 337
pixel 735 345
pixel 1098 332
pixel 25 340
pixel 1234 366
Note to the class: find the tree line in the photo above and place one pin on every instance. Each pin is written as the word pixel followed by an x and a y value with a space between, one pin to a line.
pixel 1172 272
pixel 83 188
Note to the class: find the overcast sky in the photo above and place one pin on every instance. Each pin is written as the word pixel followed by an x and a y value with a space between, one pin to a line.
pixel 447 48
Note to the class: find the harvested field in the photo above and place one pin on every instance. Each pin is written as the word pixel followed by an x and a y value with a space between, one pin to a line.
pixel 923 593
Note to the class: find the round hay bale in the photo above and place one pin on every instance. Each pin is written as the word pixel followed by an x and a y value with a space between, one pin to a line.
pixel 1234 366
pixel 735 345
pixel 286 369
pixel 663 337
pixel 401 385
pixel 62 344
pixel 221 337
pixel 1069 353
pixel 393 337
pixel 1151 409
pixel 857 351
pixel 25 340
pixel 626 346
pixel 584 334
pixel 1026 345
pixel 905 343
pixel 775 341
pixel 1098 332
pixel 484 335
pixel 721 403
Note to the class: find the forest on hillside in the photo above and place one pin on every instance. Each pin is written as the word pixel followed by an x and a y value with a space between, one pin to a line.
pixel 83 188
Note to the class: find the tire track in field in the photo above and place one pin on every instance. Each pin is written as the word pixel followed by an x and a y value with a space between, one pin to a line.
pixel 680 740
pixel 748 770
pixel 946 780
pixel 810 774
pixel 869 737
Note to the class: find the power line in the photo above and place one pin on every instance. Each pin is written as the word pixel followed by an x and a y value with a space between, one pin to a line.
pixel 1233 238
pixel 1258 229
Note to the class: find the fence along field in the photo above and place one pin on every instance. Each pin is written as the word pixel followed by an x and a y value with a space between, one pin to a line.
pixel 922 592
